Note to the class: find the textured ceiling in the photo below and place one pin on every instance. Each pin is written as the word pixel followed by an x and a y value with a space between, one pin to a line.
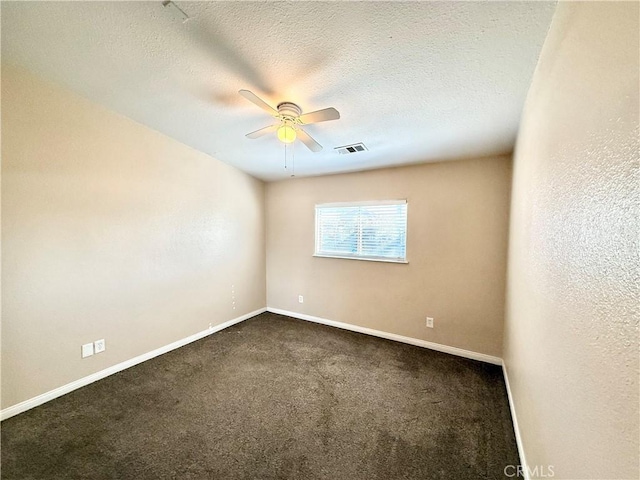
pixel 416 82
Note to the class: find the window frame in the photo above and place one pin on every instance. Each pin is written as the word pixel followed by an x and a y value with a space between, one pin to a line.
pixel 362 257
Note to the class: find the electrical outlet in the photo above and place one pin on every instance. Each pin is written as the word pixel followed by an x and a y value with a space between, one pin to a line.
pixel 211 326
pixel 300 299
pixel 99 345
pixel 87 350
pixel 429 322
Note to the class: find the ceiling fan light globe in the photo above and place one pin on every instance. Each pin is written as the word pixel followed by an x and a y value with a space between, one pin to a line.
pixel 286 134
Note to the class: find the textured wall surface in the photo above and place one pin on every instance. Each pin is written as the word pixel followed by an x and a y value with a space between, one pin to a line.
pixel 571 338
pixel 456 247
pixel 111 230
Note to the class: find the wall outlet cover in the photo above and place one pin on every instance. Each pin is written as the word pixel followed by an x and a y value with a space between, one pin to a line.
pixel 87 350
pixel 100 345
pixel 300 299
pixel 430 322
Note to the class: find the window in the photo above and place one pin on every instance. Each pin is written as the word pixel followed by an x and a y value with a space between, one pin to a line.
pixel 362 230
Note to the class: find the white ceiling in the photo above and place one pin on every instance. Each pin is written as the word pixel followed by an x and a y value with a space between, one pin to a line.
pixel 416 82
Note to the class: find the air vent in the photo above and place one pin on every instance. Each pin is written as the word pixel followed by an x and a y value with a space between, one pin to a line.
pixel 355 148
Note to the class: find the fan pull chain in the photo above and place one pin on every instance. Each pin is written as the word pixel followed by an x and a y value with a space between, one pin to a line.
pixel 293 159
pixel 285 156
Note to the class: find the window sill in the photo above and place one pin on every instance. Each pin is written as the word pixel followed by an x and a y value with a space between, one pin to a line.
pixel 384 260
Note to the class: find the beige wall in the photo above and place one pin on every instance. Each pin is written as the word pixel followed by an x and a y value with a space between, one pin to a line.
pixel 111 230
pixel 571 340
pixel 456 247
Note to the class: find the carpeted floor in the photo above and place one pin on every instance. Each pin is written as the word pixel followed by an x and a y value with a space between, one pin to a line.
pixel 274 398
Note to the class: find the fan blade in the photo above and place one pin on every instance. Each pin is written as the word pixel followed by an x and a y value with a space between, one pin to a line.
pixel 262 131
pixel 308 141
pixel 320 116
pixel 252 97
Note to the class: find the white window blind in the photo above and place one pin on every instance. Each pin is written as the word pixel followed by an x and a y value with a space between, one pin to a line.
pixel 362 230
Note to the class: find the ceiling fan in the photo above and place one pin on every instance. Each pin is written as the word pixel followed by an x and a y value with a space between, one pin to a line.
pixel 290 121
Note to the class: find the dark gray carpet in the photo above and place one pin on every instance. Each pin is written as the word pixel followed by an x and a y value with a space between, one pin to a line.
pixel 274 398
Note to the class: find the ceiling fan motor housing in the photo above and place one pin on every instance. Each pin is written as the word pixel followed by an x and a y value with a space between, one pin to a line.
pixel 289 110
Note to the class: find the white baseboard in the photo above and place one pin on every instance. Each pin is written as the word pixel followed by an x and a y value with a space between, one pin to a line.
pixel 69 387
pixel 392 336
pixel 516 428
